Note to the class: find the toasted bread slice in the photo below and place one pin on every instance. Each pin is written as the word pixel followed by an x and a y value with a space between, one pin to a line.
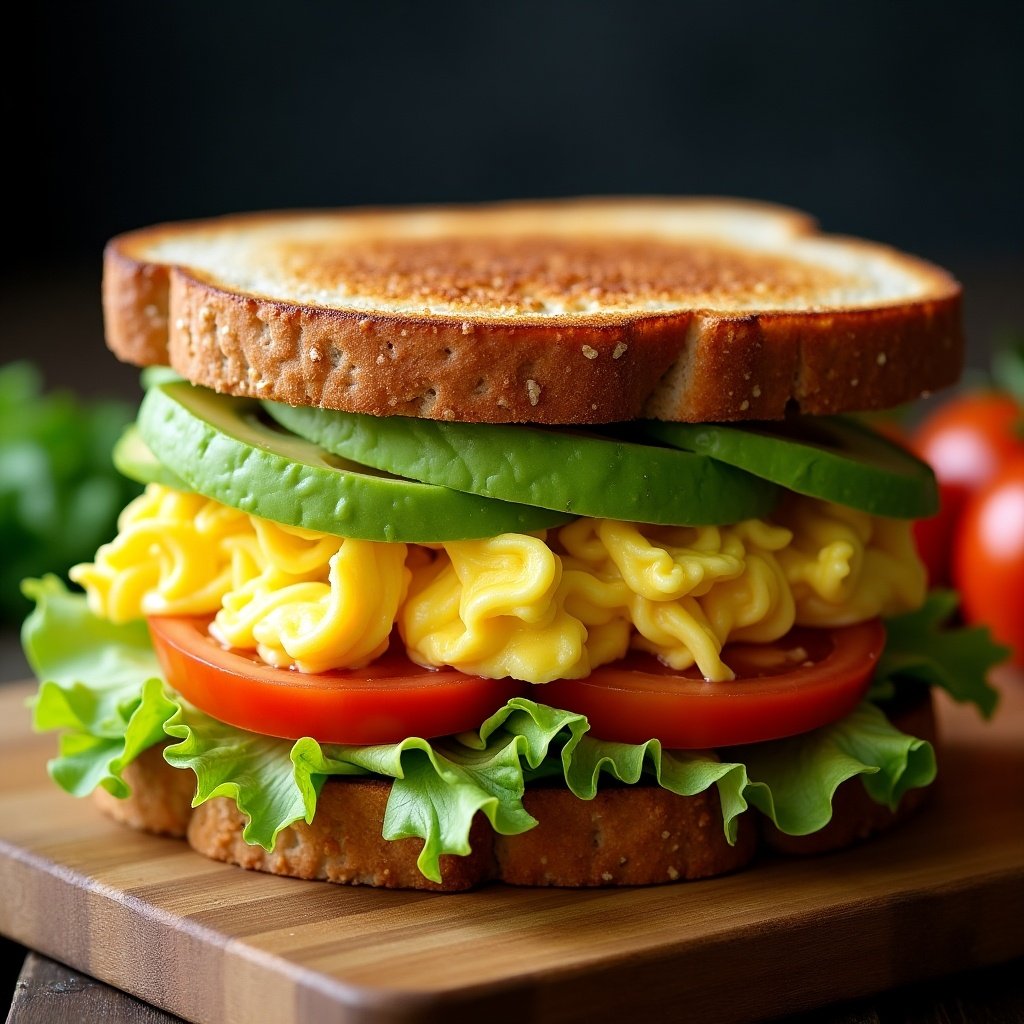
pixel 626 835
pixel 569 311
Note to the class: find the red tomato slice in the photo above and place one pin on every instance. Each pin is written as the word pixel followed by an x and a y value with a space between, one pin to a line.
pixel 385 702
pixel 808 678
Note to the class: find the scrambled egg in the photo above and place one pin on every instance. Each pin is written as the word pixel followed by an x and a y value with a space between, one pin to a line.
pixel 534 607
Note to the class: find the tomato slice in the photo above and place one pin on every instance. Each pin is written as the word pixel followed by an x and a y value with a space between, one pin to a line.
pixel 808 678
pixel 385 702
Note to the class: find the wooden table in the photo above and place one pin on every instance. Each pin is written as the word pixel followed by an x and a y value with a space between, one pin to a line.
pixel 50 993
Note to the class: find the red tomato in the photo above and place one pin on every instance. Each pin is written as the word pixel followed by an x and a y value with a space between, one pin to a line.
pixel 988 559
pixel 385 702
pixel 967 439
pixel 934 536
pixel 808 678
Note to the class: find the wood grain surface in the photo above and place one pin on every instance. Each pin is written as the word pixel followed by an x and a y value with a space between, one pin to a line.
pixel 212 943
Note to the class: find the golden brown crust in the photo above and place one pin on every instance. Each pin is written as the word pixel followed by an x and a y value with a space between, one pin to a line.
pixel 581 311
pixel 343 843
pixel 161 796
pixel 639 835
pixel 629 835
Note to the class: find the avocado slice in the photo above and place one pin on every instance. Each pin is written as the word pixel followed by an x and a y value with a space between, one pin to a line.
pixel 222 448
pixel 829 457
pixel 133 459
pixel 583 473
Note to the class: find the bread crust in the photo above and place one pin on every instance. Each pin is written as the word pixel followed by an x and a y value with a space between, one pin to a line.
pixel 626 835
pixel 342 844
pixel 161 796
pixel 638 349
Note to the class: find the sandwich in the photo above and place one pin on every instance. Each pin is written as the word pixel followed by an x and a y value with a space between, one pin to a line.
pixel 545 543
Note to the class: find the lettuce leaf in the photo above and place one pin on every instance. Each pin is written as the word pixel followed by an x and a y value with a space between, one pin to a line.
pixel 102 687
pixel 921 646
pixel 797 777
pixel 59 491
pixel 100 683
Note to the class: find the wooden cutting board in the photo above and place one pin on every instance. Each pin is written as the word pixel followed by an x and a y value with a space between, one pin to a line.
pixel 216 944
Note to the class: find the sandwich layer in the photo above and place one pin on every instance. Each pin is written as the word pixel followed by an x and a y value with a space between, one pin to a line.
pixel 626 835
pixel 516 605
pixel 571 311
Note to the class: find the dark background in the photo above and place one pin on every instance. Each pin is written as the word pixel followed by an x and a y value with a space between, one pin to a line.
pixel 902 122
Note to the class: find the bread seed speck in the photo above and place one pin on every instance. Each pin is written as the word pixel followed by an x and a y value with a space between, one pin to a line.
pixel 590 353
pixel 756 391
pixel 744 405
pixel 619 349
pixel 607 876
pixel 673 874
pixel 881 360
pixel 854 382
pixel 180 323
pixel 314 354
pixel 533 391
pixel 380 359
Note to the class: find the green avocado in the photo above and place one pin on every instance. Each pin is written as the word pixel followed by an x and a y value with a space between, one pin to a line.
pixel 581 473
pixel 222 448
pixel 133 459
pixel 834 458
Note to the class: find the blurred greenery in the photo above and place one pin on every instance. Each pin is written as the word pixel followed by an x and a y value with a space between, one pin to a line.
pixel 1008 365
pixel 59 492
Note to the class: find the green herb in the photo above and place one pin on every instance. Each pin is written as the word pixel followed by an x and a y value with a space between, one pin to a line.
pixel 59 491
pixel 1008 366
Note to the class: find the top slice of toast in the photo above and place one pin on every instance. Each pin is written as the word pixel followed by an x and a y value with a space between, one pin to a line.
pixel 564 311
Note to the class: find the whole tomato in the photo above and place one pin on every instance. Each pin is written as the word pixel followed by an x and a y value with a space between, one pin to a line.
pixel 933 536
pixel 988 557
pixel 965 441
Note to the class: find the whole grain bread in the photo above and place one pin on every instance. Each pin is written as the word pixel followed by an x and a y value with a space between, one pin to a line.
pixel 626 835
pixel 567 311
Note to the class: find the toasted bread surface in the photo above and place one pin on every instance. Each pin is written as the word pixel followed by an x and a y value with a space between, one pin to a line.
pixel 568 311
